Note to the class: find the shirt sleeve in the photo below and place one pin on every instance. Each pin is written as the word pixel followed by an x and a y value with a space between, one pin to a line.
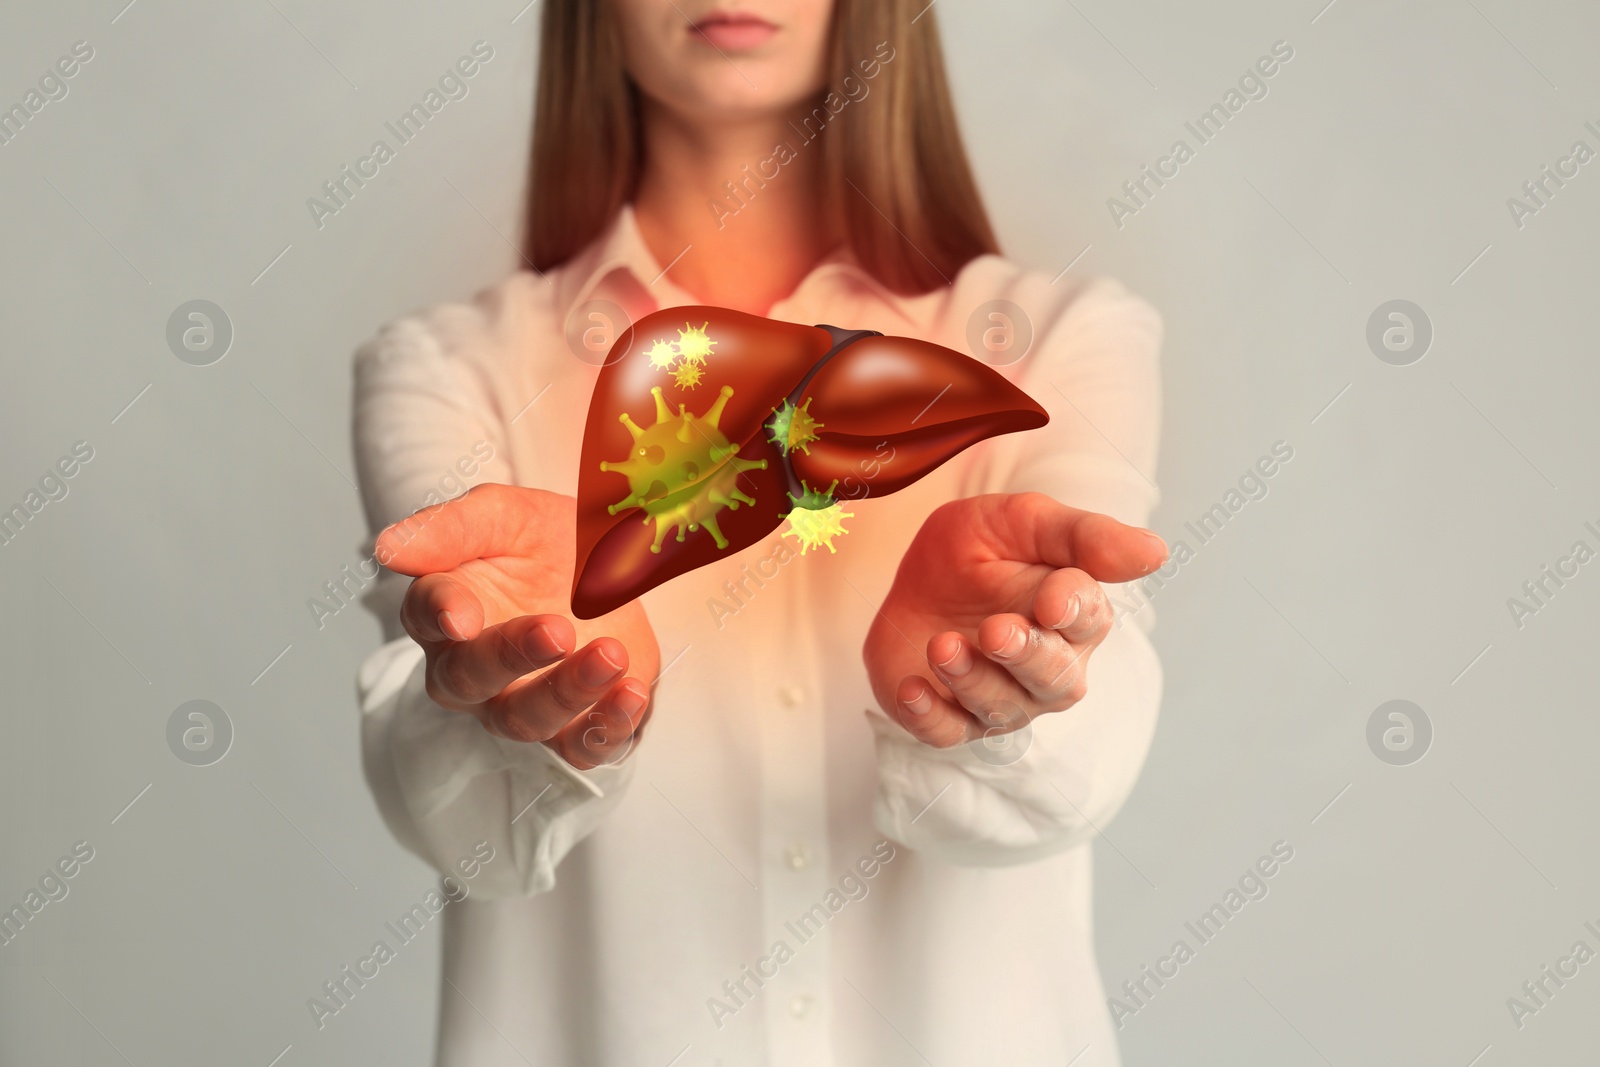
pixel 1058 782
pixel 426 427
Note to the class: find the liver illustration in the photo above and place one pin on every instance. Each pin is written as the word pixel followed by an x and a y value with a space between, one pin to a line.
pixel 707 427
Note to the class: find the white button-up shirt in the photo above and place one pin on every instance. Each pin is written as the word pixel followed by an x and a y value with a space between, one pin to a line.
pixel 777 874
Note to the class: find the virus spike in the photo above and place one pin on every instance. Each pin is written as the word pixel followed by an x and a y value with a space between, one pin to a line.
pixel 633 427
pixel 612 509
pixel 663 413
pixel 685 427
pixel 714 416
pixel 738 498
pixel 710 523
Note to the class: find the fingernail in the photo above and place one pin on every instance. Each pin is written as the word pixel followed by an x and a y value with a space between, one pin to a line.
pixel 541 644
pixel 1069 616
pixel 920 704
pixel 1015 641
pixel 1155 539
pixel 597 669
pixel 452 627
pixel 959 664
pixel 631 702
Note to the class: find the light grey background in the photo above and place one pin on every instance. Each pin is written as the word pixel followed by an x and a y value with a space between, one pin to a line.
pixel 1418 501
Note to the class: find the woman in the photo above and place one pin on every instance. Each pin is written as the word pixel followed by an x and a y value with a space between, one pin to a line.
pixel 801 858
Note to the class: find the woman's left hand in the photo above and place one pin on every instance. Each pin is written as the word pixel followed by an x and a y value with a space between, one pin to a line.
pixel 999 599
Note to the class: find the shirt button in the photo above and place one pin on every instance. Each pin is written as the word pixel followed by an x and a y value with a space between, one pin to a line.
pixel 791 695
pixel 800 1006
pixel 797 856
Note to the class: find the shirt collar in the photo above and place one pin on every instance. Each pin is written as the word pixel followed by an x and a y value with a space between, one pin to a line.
pixel 594 272
pixel 618 266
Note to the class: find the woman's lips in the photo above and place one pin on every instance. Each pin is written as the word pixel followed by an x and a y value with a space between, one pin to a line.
pixel 734 32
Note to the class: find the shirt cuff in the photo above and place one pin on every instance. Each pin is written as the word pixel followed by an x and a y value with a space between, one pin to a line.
pixel 1024 796
pixel 443 782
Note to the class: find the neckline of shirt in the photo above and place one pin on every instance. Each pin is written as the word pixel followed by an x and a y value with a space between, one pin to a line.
pixel 622 249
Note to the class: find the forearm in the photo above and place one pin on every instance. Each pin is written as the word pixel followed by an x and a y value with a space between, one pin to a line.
pixel 444 783
pixel 1027 795
pixel 426 427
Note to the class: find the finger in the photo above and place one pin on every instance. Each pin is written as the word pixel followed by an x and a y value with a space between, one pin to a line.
pixel 1073 604
pixel 538 708
pixel 1038 528
pixel 470 672
pixel 605 733
pixel 985 689
pixel 929 715
pixel 438 607
pixel 487 521
pixel 1041 661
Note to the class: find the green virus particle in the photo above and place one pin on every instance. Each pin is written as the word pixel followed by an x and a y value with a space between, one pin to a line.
pixel 694 345
pixel 661 354
pixel 687 375
pixel 793 427
pixel 817 518
pixel 682 470
pixel 813 499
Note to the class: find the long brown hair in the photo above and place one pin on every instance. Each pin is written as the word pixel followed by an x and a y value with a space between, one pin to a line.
pixel 898 186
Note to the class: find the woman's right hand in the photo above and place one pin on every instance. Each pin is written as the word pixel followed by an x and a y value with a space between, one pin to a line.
pixel 490 608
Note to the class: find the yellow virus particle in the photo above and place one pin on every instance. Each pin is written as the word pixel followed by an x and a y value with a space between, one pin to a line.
pixel 817 518
pixel 687 375
pixel 694 345
pixel 661 354
pixel 682 470
pixel 793 427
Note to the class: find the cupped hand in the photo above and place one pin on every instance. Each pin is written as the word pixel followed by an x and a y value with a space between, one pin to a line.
pixel 490 608
pixel 995 611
